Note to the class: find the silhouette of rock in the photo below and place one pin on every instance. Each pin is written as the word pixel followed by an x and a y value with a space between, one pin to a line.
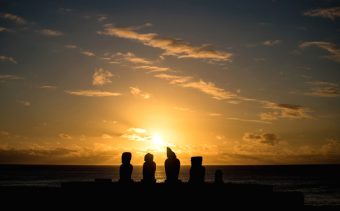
pixel 149 169
pixel 126 168
pixel 219 177
pixel 172 167
pixel 197 171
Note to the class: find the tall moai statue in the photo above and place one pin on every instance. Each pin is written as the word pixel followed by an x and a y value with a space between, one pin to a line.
pixel 149 169
pixel 172 167
pixel 125 170
pixel 197 171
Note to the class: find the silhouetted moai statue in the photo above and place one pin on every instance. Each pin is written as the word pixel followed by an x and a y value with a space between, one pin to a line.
pixel 219 177
pixel 197 171
pixel 172 167
pixel 126 168
pixel 149 169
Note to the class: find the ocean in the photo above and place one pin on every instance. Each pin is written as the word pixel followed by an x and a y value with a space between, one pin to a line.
pixel 319 183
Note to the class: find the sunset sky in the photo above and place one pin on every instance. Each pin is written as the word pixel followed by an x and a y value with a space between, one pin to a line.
pixel 237 82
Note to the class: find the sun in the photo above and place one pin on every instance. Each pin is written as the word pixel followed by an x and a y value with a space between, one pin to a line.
pixel 157 140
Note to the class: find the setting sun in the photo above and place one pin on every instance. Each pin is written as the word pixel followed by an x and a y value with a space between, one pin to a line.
pixel 157 140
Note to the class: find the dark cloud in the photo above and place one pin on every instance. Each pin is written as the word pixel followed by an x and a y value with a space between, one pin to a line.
pixel 265 138
pixel 57 156
pixel 283 110
pixel 330 13
pixel 323 89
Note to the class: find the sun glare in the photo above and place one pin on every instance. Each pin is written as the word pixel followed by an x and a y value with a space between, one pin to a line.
pixel 158 140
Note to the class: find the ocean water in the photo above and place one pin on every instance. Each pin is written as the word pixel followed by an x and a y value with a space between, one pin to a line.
pixel 319 183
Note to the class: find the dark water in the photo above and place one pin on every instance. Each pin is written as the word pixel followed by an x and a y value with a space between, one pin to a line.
pixel 319 183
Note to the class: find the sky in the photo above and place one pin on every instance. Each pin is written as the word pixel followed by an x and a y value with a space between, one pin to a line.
pixel 237 82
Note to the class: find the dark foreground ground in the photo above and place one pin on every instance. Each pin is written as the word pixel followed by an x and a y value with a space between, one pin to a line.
pixel 104 194
pixel 151 196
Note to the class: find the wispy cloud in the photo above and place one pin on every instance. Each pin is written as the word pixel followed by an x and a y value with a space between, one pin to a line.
pixel 174 79
pixel 65 136
pixel 184 109
pixel 135 91
pixel 24 103
pixel 106 136
pixel 171 46
pixel 70 46
pixel 329 47
pixel 48 87
pixel 87 53
pixel 288 111
pixel 81 50
pixel 129 57
pixel 153 68
pixel 215 114
pixel 10 77
pixel 102 18
pixel 248 120
pixel 137 134
pixel 264 138
pixel 51 33
pixel 323 89
pixel 208 88
pixel 93 93
pixel 95 154
pixel 7 59
pixel 4 133
pixel 101 77
pixel 330 13
pixel 4 29
pixel 14 18
pixel 271 43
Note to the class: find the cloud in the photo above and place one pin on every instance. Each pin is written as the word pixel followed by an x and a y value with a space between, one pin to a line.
pixel 10 77
pixel 248 120
pixel 106 136
pixel 330 13
pixel 4 29
pixel 135 91
pixel 82 51
pixel 137 134
pixel 70 46
pixel 208 88
pixel 288 111
pixel 101 77
pixel 24 103
pixel 173 79
pixel 171 46
pixel 7 59
pixel 102 18
pixel 14 18
pixel 153 69
pixel 215 114
pixel 130 57
pixel 269 116
pixel 65 136
pixel 51 33
pixel 87 53
pixel 96 154
pixel 264 138
pixel 48 87
pixel 93 93
pixel 271 43
pixel 323 89
pixel 331 48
